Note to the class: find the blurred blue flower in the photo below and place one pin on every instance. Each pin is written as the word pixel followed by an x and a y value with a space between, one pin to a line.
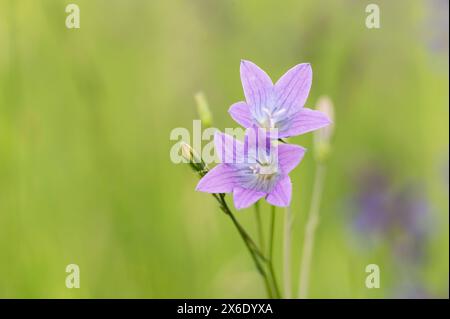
pixel 412 291
pixel 399 216
pixel 437 26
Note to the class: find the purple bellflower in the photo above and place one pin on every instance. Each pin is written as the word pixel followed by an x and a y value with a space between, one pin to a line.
pixel 277 106
pixel 252 169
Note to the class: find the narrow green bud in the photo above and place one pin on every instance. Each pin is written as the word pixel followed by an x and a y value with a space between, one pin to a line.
pixel 203 109
pixel 322 137
pixel 194 160
pixel 187 152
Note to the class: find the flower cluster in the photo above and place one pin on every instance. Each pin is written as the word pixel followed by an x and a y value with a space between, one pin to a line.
pixel 259 166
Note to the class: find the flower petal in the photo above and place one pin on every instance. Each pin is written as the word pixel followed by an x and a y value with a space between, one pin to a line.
pixel 228 149
pixel 256 83
pixel 282 193
pixel 221 179
pixel 293 87
pixel 244 198
pixel 289 156
pixel 256 137
pixel 306 120
pixel 240 112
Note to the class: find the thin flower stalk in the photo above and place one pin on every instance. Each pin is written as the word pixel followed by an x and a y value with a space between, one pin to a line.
pixel 270 254
pixel 287 238
pixel 199 167
pixel 322 148
pixel 259 226
pixel 253 250
pixel 311 226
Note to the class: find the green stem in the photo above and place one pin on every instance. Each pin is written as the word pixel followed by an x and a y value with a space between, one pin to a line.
pixel 252 248
pixel 270 255
pixel 201 169
pixel 311 226
pixel 259 226
pixel 287 253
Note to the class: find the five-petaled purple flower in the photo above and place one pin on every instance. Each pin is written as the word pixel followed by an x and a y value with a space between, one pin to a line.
pixel 277 106
pixel 252 169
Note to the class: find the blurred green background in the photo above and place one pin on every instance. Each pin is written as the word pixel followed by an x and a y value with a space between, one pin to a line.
pixel 85 118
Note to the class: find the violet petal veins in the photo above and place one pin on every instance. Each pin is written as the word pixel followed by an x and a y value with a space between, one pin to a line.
pixel 252 169
pixel 279 105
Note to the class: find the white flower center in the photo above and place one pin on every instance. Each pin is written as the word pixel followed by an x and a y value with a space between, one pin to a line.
pixel 271 118
pixel 265 173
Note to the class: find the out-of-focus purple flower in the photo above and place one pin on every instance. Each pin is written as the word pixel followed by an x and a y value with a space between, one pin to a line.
pixel 399 216
pixel 252 169
pixel 410 212
pixel 372 203
pixel 412 291
pixel 278 105
pixel 436 27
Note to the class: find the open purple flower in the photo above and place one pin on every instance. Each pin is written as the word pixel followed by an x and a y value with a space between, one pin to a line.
pixel 277 106
pixel 252 169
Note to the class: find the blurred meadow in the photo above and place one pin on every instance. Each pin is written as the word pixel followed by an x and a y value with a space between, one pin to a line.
pixel 85 171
